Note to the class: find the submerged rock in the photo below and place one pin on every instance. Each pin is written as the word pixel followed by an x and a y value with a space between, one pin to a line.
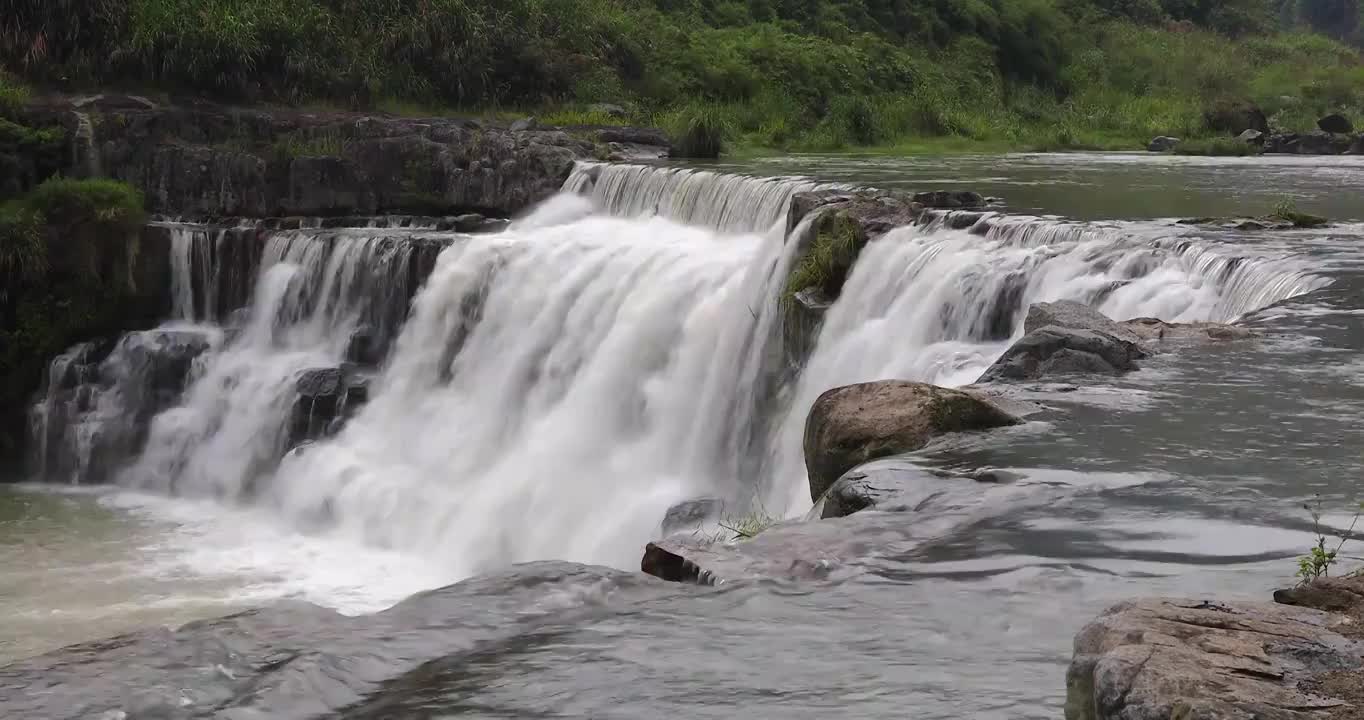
pixel 1158 659
pixel 852 425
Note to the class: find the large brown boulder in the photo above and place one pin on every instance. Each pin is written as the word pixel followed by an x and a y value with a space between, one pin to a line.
pixel 1158 659
pixel 852 425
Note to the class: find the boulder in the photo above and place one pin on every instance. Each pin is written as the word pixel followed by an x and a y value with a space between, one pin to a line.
pixel 1317 142
pixel 525 125
pixel 1336 123
pixel 1252 137
pixel 1158 659
pixel 692 514
pixel 1163 143
pixel 852 425
pixel 1073 315
pixel 1053 350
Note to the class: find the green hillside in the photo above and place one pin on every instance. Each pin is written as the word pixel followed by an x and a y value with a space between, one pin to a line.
pixel 795 74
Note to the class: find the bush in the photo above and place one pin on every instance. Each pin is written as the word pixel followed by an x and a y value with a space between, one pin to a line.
pixel 837 243
pixel 100 203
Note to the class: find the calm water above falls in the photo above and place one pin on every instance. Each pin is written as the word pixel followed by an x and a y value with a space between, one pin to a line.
pixel 571 430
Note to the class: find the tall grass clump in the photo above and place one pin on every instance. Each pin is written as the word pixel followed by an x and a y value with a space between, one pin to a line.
pixel 699 131
pixel 837 242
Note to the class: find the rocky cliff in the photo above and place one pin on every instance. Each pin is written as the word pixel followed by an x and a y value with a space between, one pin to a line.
pixel 209 160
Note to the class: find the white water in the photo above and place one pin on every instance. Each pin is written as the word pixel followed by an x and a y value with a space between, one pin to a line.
pixel 560 384
pixel 920 303
pixel 612 372
pixel 732 203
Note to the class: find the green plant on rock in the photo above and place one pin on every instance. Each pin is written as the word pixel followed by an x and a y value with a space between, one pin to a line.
pixel 1287 211
pixel 325 143
pixel 838 241
pixel 1318 561
pixel 746 527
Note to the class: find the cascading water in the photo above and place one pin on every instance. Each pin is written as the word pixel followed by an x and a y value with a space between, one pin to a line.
pixel 560 384
pixel 733 203
pixel 939 305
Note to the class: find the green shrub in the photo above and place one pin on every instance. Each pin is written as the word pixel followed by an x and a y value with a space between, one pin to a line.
pixel 23 247
pixel 98 203
pixel 1287 211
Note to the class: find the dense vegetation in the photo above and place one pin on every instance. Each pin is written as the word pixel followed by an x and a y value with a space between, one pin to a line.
pixel 779 73
pixel 66 253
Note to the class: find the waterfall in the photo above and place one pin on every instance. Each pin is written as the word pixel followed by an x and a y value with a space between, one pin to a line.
pixel 939 305
pixel 85 154
pixel 548 391
pixel 733 203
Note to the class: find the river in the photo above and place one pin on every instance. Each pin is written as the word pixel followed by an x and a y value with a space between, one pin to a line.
pixel 608 372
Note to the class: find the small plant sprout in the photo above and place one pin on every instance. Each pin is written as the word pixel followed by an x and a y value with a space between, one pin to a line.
pixel 1318 561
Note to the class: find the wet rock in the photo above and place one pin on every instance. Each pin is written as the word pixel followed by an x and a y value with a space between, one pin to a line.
pixel 1148 333
pixel 1073 315
pixel 1317 142
pixel 1163 143
pixel 1197 659
pixel 1153 330
pixel 469 222
pixel 854 492
pixel 671 564
pixel 326 398
pixel 1357 146
pixel 852 425
pixel 692 514
pixel 1052 351
pixel 950 199
pixel 1336 123
pixel 525 125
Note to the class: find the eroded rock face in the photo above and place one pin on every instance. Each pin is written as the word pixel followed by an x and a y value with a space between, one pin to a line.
pixel 326 398
pixel 218 161
pixel 1159 659
pixel 852 425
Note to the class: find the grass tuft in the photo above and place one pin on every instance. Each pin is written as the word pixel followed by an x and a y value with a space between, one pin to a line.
pixel 837 243
pixel 699 132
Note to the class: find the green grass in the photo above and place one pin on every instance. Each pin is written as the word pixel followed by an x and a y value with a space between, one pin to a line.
pixel 1218 146
pixel 838 241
